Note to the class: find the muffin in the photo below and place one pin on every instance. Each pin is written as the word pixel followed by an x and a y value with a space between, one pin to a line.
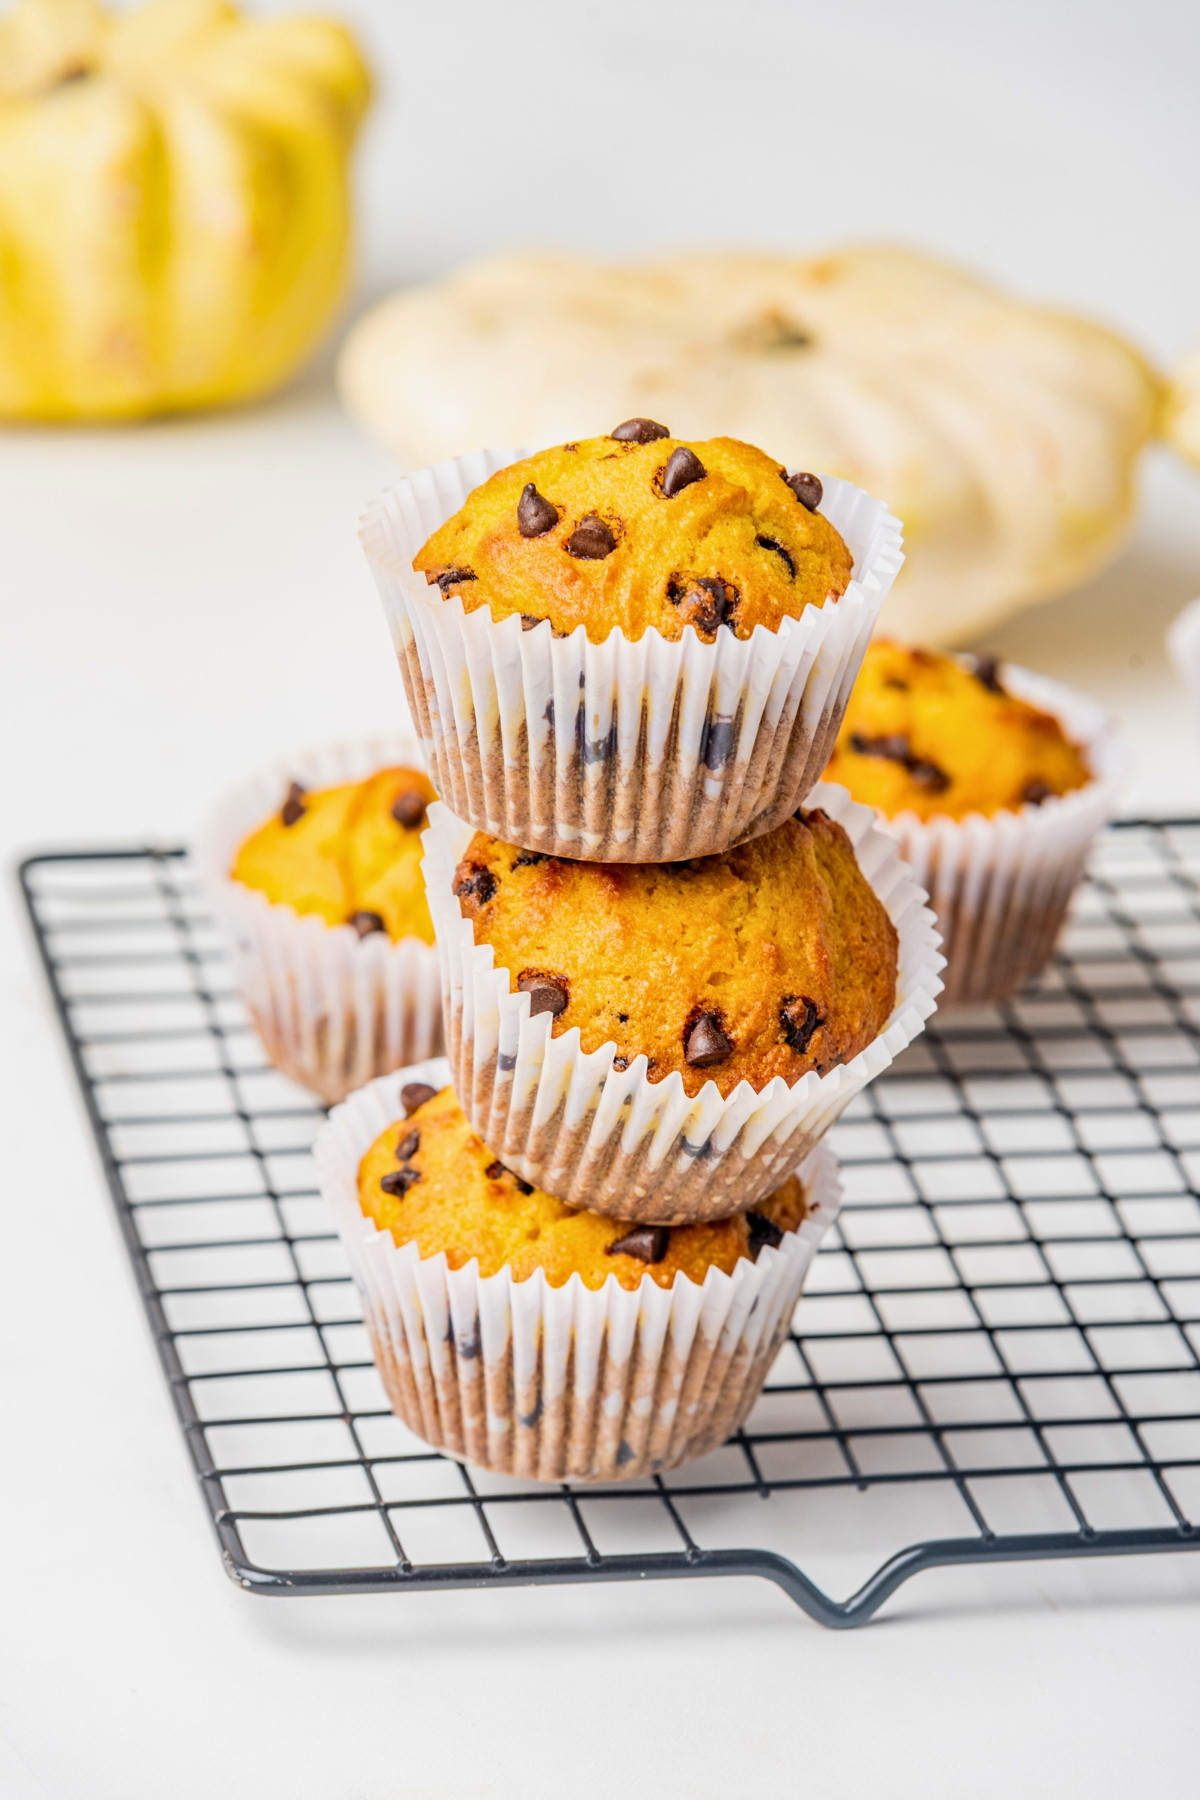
pixel 313 868
pixel 772 959
pixel 628 649
pixel 665 1043
pixel 994 782
pixel 537 1339
pixel 639 531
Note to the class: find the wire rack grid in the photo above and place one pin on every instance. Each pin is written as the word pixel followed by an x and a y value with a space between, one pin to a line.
pixel 995 1358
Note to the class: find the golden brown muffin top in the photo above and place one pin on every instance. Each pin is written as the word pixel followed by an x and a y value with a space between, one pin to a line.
pixel 638 530
pixel 933 735
pixel 430 1180
pixel 771 959
pixel 352 854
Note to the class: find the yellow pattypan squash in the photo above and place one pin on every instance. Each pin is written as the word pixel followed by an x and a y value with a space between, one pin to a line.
pixel 174 216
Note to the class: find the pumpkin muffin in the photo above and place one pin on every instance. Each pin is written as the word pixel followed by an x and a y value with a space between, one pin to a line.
pixel 351 854
pixel 431 1180
pixel 640 530
pixel 939 737
pixel 774 958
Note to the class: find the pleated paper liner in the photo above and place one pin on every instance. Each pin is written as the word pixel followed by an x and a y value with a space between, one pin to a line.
pixel 557 1383
pixel 651 751
pixel 614 1141
pixel 332 1009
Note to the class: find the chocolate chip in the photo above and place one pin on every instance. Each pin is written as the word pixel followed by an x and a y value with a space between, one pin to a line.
pixel 365 923
pixel 762 1231
pixel 408 808
pixel 293 807
pixel 446 578
pixel 927 776
pixel 398 1181
pixel 1034 792
pixel 769 543
pixel 704 602
pixel 495 1171
pixel 807 489
pixel 591 540
pixel 528 858
pixel 620 1062
pixel 623 1018
pixel 706 1043
pixel 408 1147
pixel 547 994
pixel 535 514
pixel 683 467
pixel 648 1243
pixel 894 749
pixel 799 1017
pixel 528 621
pixel 414 1094
pixel 987 674
pixel 476 884
pixel 639 431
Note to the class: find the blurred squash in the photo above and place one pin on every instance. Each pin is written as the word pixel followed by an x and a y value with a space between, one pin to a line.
pixel 174 216
pixel 1004 436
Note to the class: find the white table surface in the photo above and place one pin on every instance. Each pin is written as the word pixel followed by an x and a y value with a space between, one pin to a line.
pixel 180 601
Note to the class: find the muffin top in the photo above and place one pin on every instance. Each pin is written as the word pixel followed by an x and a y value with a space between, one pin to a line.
pixel 934 735
pixel 431 1180
pixel 773 958
pixel 638 530
pixel 351 854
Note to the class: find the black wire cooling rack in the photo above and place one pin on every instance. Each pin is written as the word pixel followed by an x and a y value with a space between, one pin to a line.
pixel 995 1358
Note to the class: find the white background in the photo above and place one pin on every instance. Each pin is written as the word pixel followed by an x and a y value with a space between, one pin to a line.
pixel 182 599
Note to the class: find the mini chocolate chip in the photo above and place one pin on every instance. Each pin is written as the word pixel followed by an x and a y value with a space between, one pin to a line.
pixel 807 489
pixel 648 1243
pixel 398 1181
pixel 495 1171
pixel 1034 792
pixel 893 749
pixel 547 994
pixel 414 1094
pixel 408 1146
pixel 528 858
pixel 799 1017
pixel 762 1231
pixel 987 674
pixel 769 543
pixel 528 621
pixel 293 807
pixel 623 1018
pixel 446 578
pixel 620 1062
pixel 365 923
pixel 706 1043
pixel 683 467
pixel 535 514
pixel 705 603
pixel 927 776
pixel 408 808
pixel 639 431
pixel 591 540
pixel 477 884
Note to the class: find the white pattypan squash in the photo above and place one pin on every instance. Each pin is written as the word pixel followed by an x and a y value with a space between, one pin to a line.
pixel 1003 436
pixel 174 218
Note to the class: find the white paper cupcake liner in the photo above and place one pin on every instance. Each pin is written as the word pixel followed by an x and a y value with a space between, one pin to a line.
pixel 1001 886
pixel 1183 646
pixel 332 1009
pixel 620 752
pixel 614 1141
pixel 557 1383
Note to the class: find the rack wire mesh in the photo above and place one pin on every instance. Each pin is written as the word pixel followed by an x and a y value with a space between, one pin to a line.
pixel 996 1354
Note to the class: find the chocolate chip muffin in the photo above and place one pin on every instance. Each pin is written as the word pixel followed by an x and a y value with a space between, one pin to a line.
pixel 639 530
pixel 775 958
pixel 938 736
pixel 431 1180
pixel 351 854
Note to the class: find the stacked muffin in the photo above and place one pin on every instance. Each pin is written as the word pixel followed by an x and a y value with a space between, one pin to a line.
pixel 666 966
